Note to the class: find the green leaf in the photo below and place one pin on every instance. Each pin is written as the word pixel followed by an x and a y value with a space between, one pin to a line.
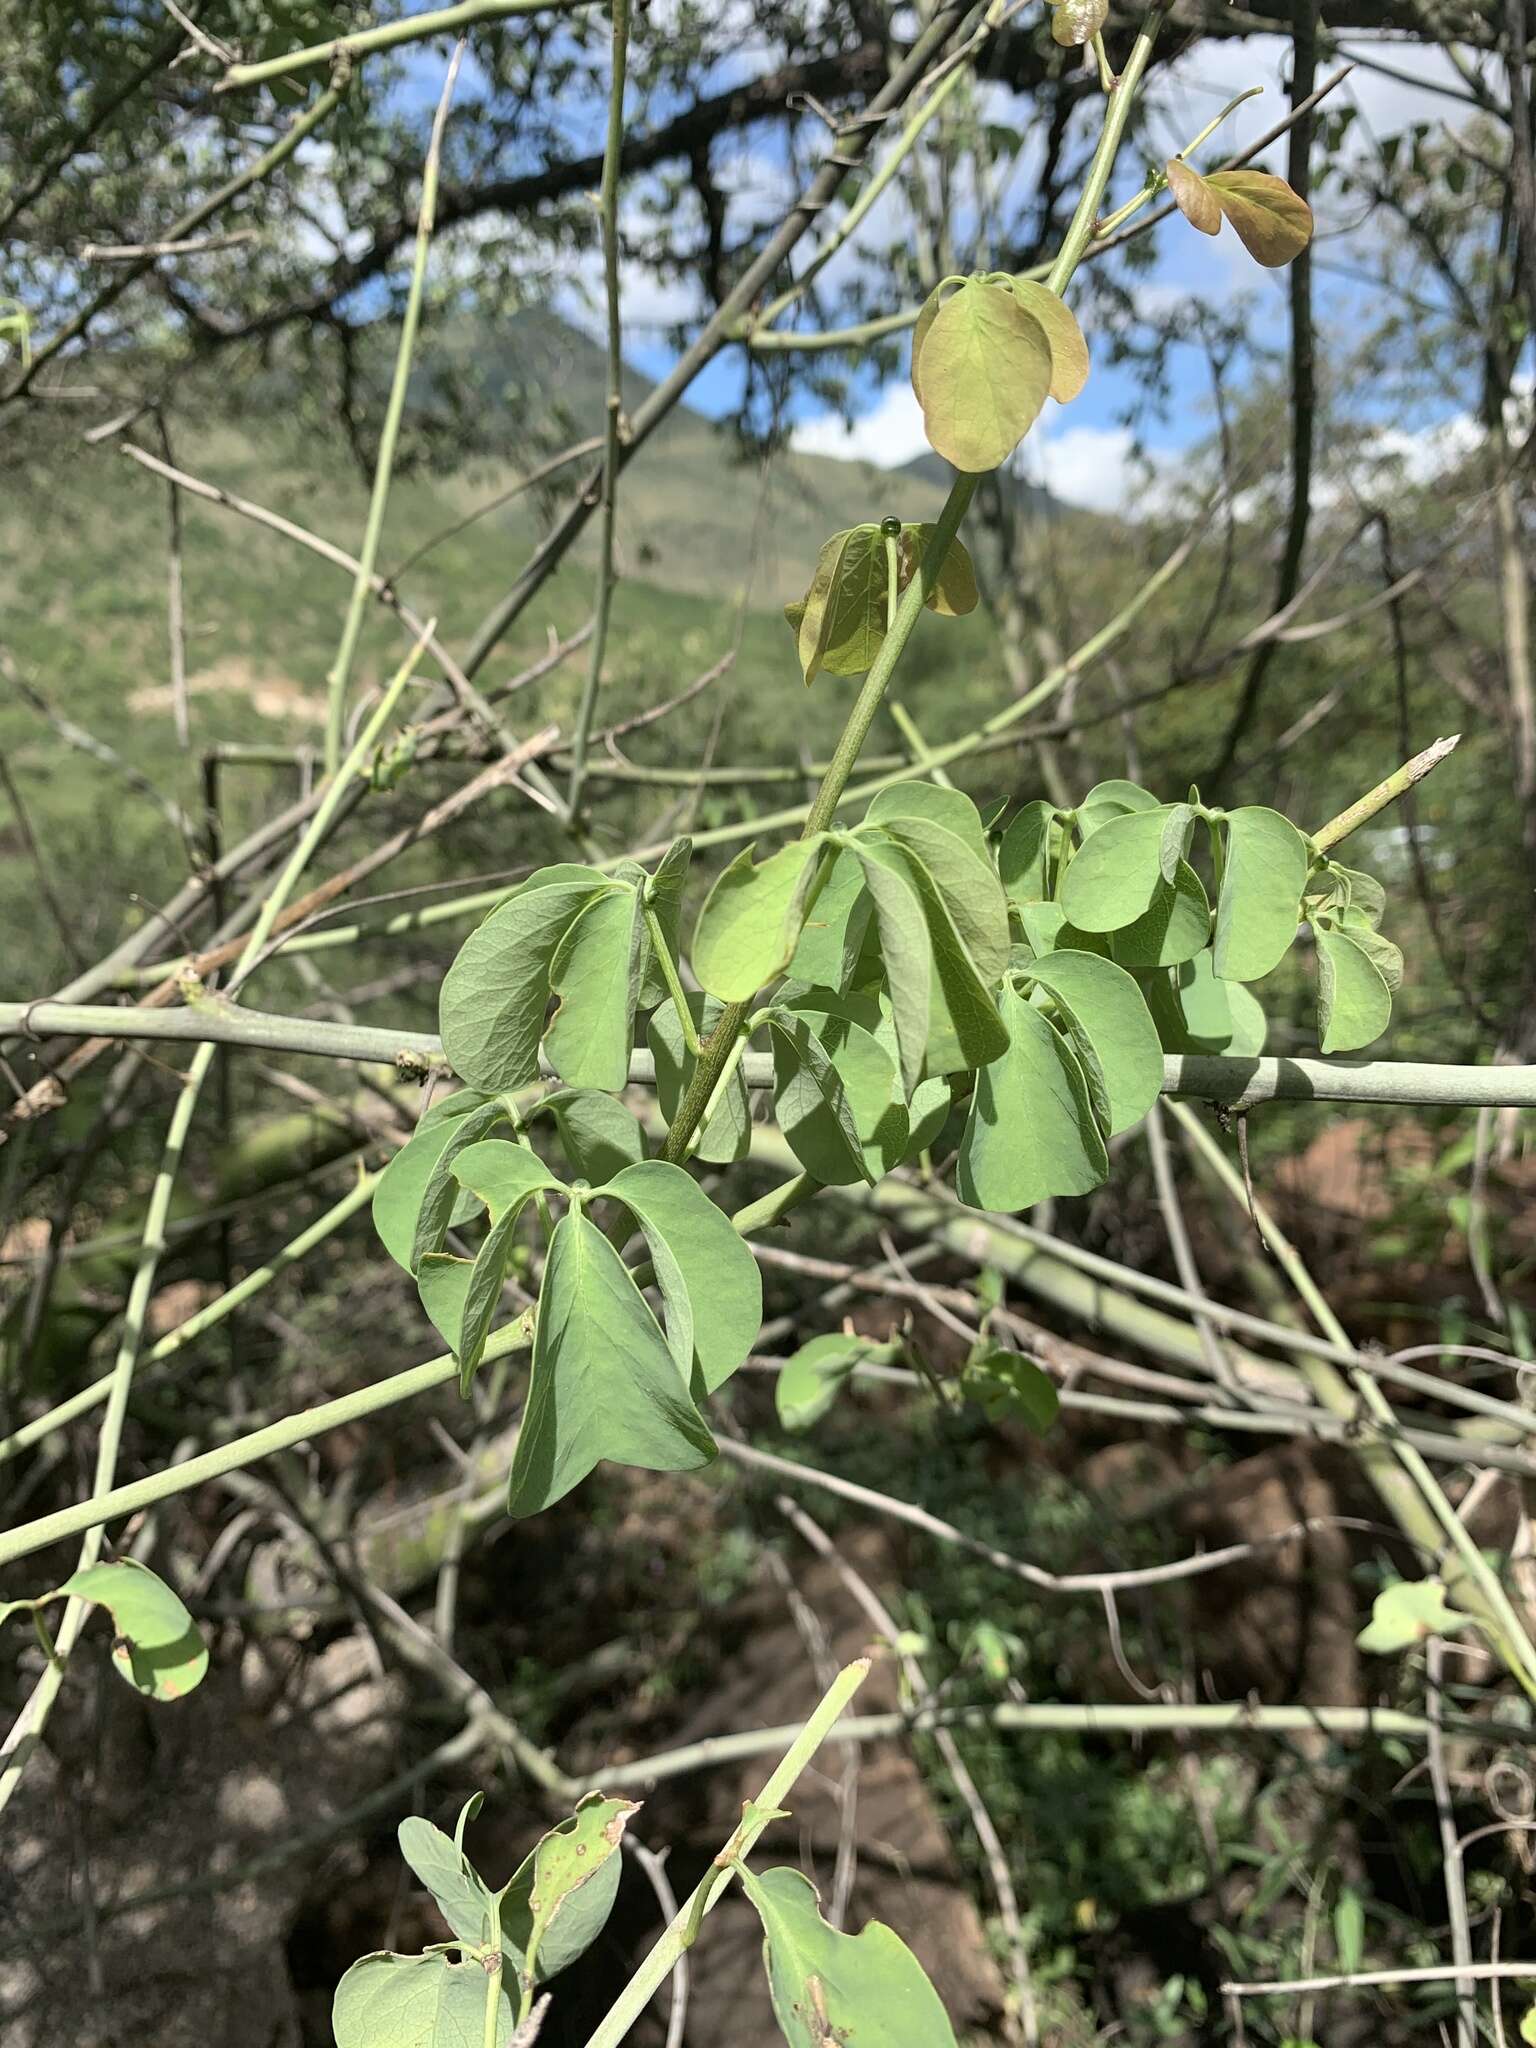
pixel 1173 930
pixel 442 1281
pixel 1273 223
pixel 1406 1613
pixel 1075 22
pixel 1024 858
pixel 965 878
pixel 1107 1015
pixel 505 1177
pixel 598 1135
pixel 833 935
pixel 751 920
pixel 1197 1012
pixel 663 890
pixel 389 2001
pixel 1046 930
pixel 1386 958
pixel 603 1382
pixel 1113 877
pixel 951 809
pixel 502 1174
pixel 158 1648
pixel 1259 904
pixel 494 996
pixel 570 1860
pixel 867 1989
pixel 1003 1383
pixel 1112 799
pixel 596 973
pixel 708 1278
pixel 1031 1132
pixel 901 929
pixel 1528 2025
pixel 840 622
pixel 964 1029
pixel 1069 351
pixel 927 1114
pixel 1349 1932
pixel 838 1100
pixel 954 591
pixel 444 1197
pixel 728 1134
pixel 455 1885
pixel 1177 825
pixel 812 1379
pixel 1353 1000
pixel 403 1184
pixel 982 370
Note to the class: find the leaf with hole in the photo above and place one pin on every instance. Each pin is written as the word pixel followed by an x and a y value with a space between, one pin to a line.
pixel 982 369
pixel 1031 1133
pixel 603 1384
pixel 494 996
pixel 867 1989
pixel 752 918
pixel 158 1648
pixel 390 2001
pixel 1258 907
pixel 566 1863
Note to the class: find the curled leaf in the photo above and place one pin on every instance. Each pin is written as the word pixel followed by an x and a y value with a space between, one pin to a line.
pixel 158 1648
pixel 1192 196
pixel 1069 351
pixel 1273 223
pixel 981 374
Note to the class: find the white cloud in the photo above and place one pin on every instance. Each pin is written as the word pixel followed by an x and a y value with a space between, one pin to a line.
pixel 1088 466
pixel 889 434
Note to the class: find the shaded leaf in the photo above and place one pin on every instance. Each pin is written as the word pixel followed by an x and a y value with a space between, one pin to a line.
pixel 1003 1383
pixel 1197 1012
pixel 906 953
pixel 1353 1000
pixel 444 1195
pixel 455 1885
pixel 750 924
pixel 1112 799
pixel 832 936
pixel 728 1133
pixel 838 1100
pixel 158 1648
pixel 1107 1015
pixel 866 1989
pixel 964 1029
pixel 962 872
pixel 953 592
pixel 1024 858
pixel 603 1382
pixel 1031 1131
pixel 402 1185
pixel 840 622
pixel 595 974
pixel 1174 929
pixel 663 890
pixel 567 1863
pixel 708 1278
pixel 598 1135
pixel 1258 907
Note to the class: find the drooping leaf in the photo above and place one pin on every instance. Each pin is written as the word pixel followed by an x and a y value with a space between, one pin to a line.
pixel 812 1379
pixel 1408 1612
pixel 1114 875
pixel 963 874
pixel 866 1989
pixel 1258 907
pixel 494 996
pixel 832 937
pixel 1273 223
pixel 566 1864
pixel 750 924
pixel 1046 930
pixel 1174 929
pixel 728 1133
pixel 502 1174
pixel 838 1100
pixel 840 622
pixel 927 1114
pixel 444 1197
pixel 1353 1001
pixel 1197 1012
pixel 1069 351
pixel 158 1648
pixel 1024 858
pixel 1386 958
pixel 596 974
pixel 700 1261
pixel 1178 823
pixel 1003 1383
pixel 598 1135
pixel 1031 1133
pixel 462 1304
pixel 1107 1014
pixel 901 928
pixel 950 808
pixel 983 373
pixel 442 1281
pixel 1193 196
pixel 663 890
pixel 456 1887
pixel 953 592
pixel 964 1029
pixel 1075 22
pixel 389 2001
pixel 397 1199
pixel 603 1382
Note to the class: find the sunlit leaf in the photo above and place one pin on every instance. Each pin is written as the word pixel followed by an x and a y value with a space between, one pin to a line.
pixel 1112 799
pixel 389 2001
pixel 1024 858
pixel 1114 875
pixel 1193 197
pixel 595 974
pixel 1174 928
pixel 963 1027
pixel 1353 1001
pixel 953 592
pixel 751 920
pixel 1069 351
pixel 568 1863
pixel 866 1989
pixel 950 809
pixel 1075 22
pixel 158 1648
pixel 1407 1613
pixel 985 373
pixel 810 1382
pixel 1273 223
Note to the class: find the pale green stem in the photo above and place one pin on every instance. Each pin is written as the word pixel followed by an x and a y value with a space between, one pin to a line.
pixel 340 676
pixel 34 1715
pixel 922 753
pixel 671 977
pixel 1154 185
pixel 658 1965
pixel 1122 98
pixel 1409 1487
pixel 608 201
pixel 1397 784
pixel 412 28
pixel 195 1325
pixel 489 2038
